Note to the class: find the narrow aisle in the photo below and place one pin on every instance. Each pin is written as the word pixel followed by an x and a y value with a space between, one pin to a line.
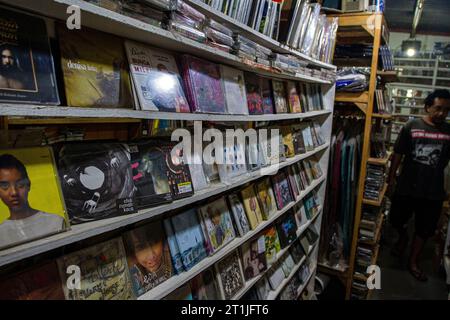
pixel 398 284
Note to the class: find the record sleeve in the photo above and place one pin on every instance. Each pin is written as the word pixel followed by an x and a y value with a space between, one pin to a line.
pixel 234 164
pixel 189 236
pixel 288 141
pixel 37 283
pixel 36 209
pixel 149 167
pixel 273 245
pixel 294 100
pixel 230 275
pixel 252 155
pixel 254 93
pixel 104 271
pixel 156 78
pixel 251 205
pixel 254 257
pixel 282 190
pixel 148 257
pixel 234 87
pixel 180 180
pixel 217 224
pixel 27 72
pixel 299 143
pixel 279 94
pixel 267 98
pixel 97 180
pixel 295 188
pixel 204 85
pixel 238 211
pixel 204 286
pixel 266 198
pixel 95 69
pixel 175 254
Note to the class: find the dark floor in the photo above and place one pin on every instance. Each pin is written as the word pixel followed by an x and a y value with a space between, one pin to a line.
pixel 396 281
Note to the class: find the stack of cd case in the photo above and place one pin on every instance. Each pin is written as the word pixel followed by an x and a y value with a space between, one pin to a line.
pixel 219 36
pixel 186 21
pixel 375 181
pixel 246 48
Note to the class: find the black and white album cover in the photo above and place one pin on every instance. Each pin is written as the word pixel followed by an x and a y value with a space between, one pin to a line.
pixel 96 180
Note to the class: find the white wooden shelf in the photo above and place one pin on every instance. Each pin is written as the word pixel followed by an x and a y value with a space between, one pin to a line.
pixel 305 284
pixel 176 281
pixel 94 228
pixel 105 20
pixel 250 283
pixel 58 111
pixel 255 35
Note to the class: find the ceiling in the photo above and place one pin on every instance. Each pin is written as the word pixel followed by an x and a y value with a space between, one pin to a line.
pixel 435 18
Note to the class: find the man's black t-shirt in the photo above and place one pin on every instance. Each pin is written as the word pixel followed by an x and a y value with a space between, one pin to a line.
pixel 427 151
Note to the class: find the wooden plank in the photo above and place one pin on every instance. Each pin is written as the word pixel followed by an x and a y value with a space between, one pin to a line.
pixel 380 201
pixel 382 116
pixel 382 161
pixel 362 97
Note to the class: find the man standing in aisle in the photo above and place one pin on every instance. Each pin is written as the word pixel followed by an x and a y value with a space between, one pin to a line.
pixel 423 148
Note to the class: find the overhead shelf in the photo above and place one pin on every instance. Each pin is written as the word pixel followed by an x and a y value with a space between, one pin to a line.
pixel 117 113
pixel 381 162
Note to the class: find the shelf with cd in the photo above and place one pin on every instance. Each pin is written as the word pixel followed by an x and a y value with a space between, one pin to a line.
pixel 359 97
pixel 91 229
pixel 24 110
pixel 255 35
pixel 176 281
pixel 305 284
pixel 108 21
pixel 250 283
pixel 377 203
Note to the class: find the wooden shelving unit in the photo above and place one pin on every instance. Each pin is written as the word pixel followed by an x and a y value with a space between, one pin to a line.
pixel 365 28
pixel 378 161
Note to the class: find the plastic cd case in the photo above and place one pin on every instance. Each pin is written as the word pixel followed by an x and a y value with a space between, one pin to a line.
pixel 187 31
pixel 185 9
pixel 220 27
pixel 219 37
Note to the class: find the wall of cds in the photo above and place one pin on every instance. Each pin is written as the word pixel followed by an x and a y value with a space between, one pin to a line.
pixel 135 218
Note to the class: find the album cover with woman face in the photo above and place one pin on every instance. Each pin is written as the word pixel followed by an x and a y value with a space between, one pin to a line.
pixel 238 211
pixel 149 167
pixel 104 272
pixel 254 257
pixel 148 257
pixel 294 99
pixel 32 205
pixel 279 95
pixel 97 180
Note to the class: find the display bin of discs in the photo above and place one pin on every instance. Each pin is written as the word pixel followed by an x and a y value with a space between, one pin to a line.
pixel 375 180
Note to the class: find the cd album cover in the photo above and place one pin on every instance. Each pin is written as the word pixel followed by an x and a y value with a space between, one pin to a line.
pixel 149 167
pixel 267 98
pixel 148 256
pixel 27 72
pixel 266 198
pixel 281 189
pixel 217 224
pixel 272 243
pixel 254 93
pixel 204 286
pixel 180 180
pixel 230 276
pixel 36 283
pixel 189 236
pixel 233 163
pixel 156 79
pixel 177 261
pixel 94 68
pixel 279 94
pixel 254 257
pixel 234 87
pixel 37 209
pixel 104 271
pixel 204 85
pixel 238 210
pixel 251 205
pixel 294 99
pixel 97 180
pixel 287 230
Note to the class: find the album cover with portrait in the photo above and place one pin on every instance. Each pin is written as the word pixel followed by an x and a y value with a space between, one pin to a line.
pixel 240 218
pixel 95 69
pixel 288 141
pixel 230 275
pixel 294 99
pixel 283 194
pixel 217 224
pixel 149 168
pixel 178 173
pixel 104 271
pixel 254 257
pixel 97 180
pixel 266 198
pixel 190 239
pixel 148 256
pixel 267 97
pixel 27 72
pixel 251 205
pixel 36 283
pixel 204 286
pixel 32 205
pixel 156 78
pixel 279 95
pixel 254 93
pixel 203 85
pixel 234 88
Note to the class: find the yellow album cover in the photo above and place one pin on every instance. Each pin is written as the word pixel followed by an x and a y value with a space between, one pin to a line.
pixel 95 69
pixel 251 205
pixel 31 205
pixel 288 141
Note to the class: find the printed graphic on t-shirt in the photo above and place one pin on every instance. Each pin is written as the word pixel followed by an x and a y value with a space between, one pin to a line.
pixel 427 154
